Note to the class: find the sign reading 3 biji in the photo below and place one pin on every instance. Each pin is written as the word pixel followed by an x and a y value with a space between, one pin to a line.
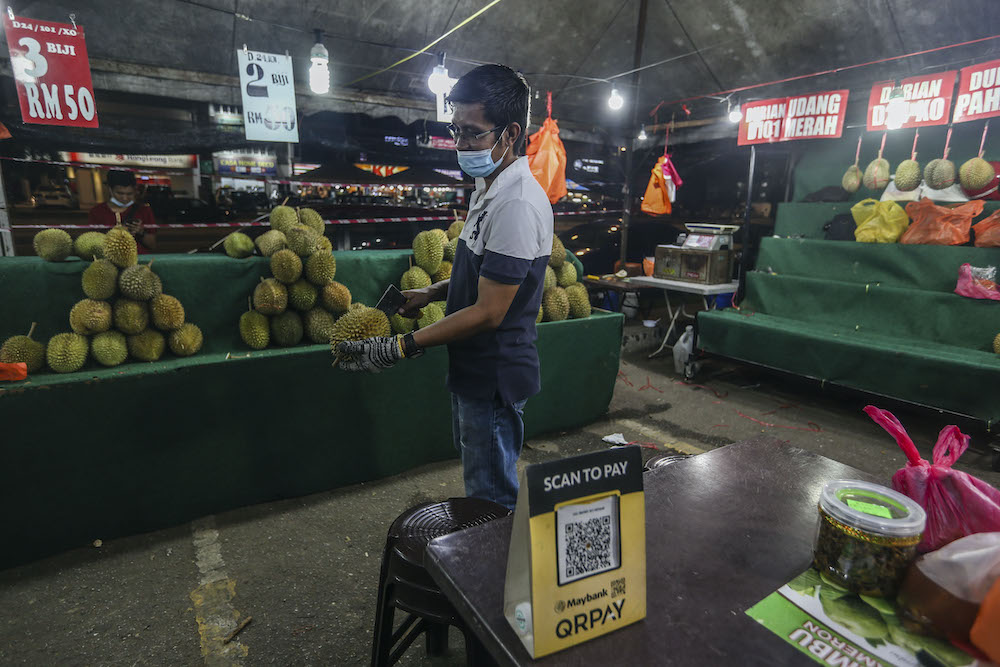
pixel 268 96
pixel 51 72
pixel 978 92
pixel 928 100
pixel 814 116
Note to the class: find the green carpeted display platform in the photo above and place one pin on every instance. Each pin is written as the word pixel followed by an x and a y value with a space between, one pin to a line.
pixel 879 318
pixel 109 452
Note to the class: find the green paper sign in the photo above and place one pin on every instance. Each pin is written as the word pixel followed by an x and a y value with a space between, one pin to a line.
pixel 870 508
pixel 835 627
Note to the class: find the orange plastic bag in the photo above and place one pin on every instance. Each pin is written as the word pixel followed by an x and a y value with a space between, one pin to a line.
pixel 988 231
pixel 656 201
pixel 547 159
pixel 940 225
pixel 14 372
pixel 984 632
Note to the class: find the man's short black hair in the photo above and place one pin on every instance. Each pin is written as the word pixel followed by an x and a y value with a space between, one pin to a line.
pixel 119 178
pixel 503 93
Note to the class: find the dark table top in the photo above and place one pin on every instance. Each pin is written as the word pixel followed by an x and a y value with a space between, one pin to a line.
pixel 724 530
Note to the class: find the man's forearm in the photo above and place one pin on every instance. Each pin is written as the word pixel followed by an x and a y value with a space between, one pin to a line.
pixel 458 326
pixel 439 291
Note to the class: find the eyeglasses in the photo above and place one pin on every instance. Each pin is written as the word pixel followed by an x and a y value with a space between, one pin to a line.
pixel 468 137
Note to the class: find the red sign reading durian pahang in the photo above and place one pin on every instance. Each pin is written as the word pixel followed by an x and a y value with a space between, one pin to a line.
pixel 978 92
pixel 928 100
pixel 814 116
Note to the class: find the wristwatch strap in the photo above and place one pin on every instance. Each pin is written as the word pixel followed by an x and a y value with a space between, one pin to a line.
pixel 410 348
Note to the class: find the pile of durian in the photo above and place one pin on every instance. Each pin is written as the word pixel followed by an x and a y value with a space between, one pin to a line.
pixel 563 296
pixel 125 313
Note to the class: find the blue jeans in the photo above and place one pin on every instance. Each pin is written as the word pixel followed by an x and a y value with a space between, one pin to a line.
pixel 488 434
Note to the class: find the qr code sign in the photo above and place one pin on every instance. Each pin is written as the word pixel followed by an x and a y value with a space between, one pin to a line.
pixel 588 540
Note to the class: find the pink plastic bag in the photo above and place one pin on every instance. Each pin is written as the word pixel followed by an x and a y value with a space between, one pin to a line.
pixel 977 282
pixel 957 504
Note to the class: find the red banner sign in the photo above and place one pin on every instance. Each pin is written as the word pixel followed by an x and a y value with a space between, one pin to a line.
pixel 978 92
pixel 815 116
pixel 51 71
pixel 928 100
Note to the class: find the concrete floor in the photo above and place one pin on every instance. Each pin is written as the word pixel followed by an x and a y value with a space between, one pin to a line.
pixel 306 569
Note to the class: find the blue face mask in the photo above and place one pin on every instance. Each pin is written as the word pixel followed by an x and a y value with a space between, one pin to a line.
pixel 480 164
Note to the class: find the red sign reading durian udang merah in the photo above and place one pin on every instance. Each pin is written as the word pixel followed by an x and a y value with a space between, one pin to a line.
pixel 928 100
pixel 51 71
pixel 978 92
pixel 813 116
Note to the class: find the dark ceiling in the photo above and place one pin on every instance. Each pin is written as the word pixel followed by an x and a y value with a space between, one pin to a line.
pixel 714 44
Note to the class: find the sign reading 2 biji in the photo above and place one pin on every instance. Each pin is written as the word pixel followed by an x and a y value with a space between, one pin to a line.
pixel 815 116
pixel 928 100
pixel 978 92
pixel 51 72
pixel 268 96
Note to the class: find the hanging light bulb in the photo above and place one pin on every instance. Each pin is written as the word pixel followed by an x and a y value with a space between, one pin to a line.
pixel 319 71
pixel 439 82
pixel 735 114
pixel 616 101
pixel 897 111
pixel 642 134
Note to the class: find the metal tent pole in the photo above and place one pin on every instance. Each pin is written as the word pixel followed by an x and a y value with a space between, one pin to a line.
pixel 745 255
pixel 640 35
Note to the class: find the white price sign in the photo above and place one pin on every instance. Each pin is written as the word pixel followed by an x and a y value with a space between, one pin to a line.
pixel 268 96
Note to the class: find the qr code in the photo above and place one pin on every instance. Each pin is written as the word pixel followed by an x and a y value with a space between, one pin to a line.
pixel 588 546
pixel 617 587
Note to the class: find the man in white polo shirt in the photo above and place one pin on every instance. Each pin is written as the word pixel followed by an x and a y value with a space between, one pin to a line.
pixel 495 290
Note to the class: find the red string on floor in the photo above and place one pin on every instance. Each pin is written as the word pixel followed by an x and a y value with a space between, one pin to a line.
pixel 649 385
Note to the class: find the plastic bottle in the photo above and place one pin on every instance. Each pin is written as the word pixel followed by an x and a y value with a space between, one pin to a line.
pixel 683 349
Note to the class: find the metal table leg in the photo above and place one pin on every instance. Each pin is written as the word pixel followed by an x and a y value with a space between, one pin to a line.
pixel 673 314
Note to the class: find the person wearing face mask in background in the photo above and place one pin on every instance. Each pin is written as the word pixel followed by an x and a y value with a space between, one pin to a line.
pixel 123 209
pixel 495 290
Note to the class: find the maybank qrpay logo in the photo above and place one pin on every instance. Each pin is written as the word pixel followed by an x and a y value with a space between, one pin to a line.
pixel 588 620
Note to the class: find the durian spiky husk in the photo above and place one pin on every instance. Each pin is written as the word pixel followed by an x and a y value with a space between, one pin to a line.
pixel 579 301
pixel 555 304
pixel 336 298
pixel 109 348
pixel 53 245
pixel 451 249
pixel 90 316
pixel 976 174
pixel 186 340
pixel 430 314
pixel 100 280
pixel 147 345
pixel 359 324
pixel 238 245
pixel 24 349
pixel 167 312
pixel 455 229
pixel 566 274
pixel 312 220
pixel 270 297
pixel 286 266
pixel 558 255
pixel 318 325
pixel 851 180
pixel 939 174
pixel 321 267
pixel 283 218
pixel 415 278
pixel 120 247
pixel 876 174
pixel 89 245
pixel 255 330
pixel 428 250
pixel 908 175
pixel 67 352
pixel 271 242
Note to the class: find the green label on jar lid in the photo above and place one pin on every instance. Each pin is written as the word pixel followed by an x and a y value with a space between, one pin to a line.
pixel 870 508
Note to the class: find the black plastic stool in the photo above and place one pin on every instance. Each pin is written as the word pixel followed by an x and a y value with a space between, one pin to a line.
pixel 405 584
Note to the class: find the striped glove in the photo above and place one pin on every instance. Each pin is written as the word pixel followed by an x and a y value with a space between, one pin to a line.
pixel 371 355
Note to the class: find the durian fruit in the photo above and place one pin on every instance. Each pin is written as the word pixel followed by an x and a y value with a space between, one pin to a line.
pixel 67 352
pixel 441 234
pixel 318 325
pixel 270 297
pixel 908 175
pixel 238 245
pixel 185 341
pixel 558 255
pixel 286 329
pixel 939 174
pixel 167 312
pixel 851 180
pixel 283 218
pixel 130 317
pixel 876 174
pixel 566 274
pixel 579 301
pixel 324 245
pixel 996 345
pixel 271 242
pixel 336 297
pixel 100 280
pixel 109 348
pixel 359 324
pixel 402 325
pixel 53 245
pixel 120 247
pixel 302 295
pixel 139 283
pixel 455 229
pixel 302 240
pixel 430 314
pixel 147 346
pixel 357 305
pixel 255 330
pixel 538 319
pixel 550 278
pixel 443 305
pixel 428 251
pixel 976 174
pixel 286 266
pixel 415 278
pixel 443 273
pixel 451 249
pixel 90 316
pixel 312 220
pixel 24 349
pixel 89 245
pixel 555 304
pixel 321 267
